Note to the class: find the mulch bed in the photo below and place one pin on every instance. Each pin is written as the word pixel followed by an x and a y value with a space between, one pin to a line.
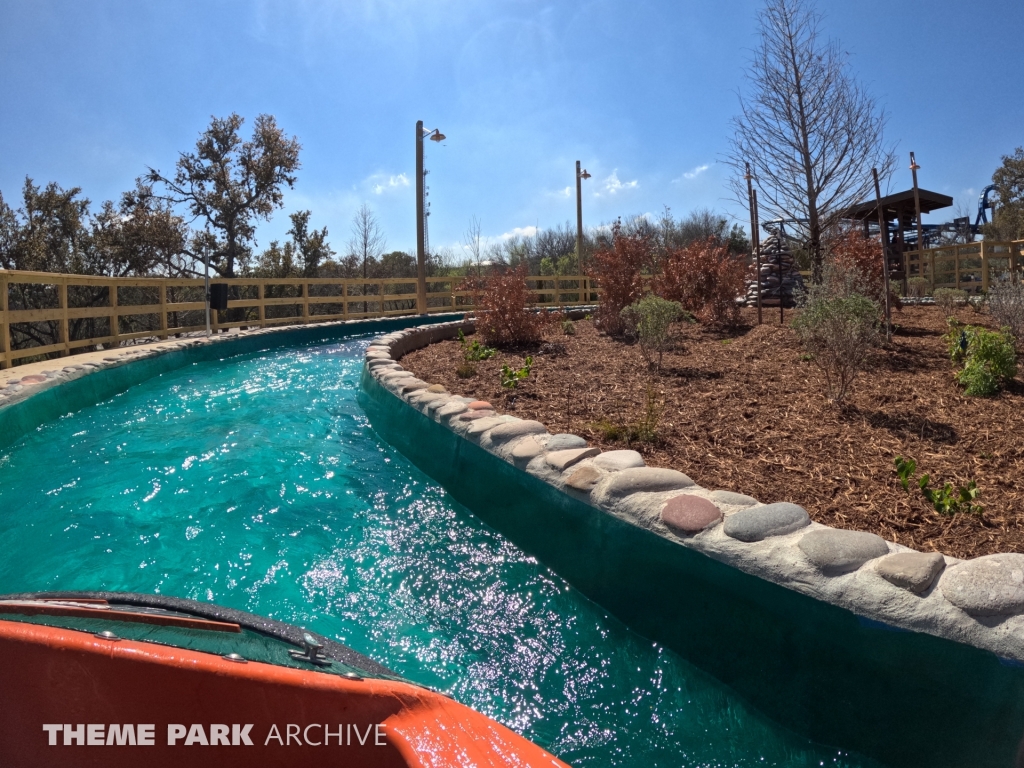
pixel 744 412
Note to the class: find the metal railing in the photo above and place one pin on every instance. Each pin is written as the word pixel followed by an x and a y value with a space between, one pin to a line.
pixel 970 267
pixel 43 313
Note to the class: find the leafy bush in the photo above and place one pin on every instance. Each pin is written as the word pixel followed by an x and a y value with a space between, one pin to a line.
pixel 510 377
pixel 705 279
pixel 649 321
pixel 989 358
pixel 503 318
pixel 568 328
pixel 839 332
pixel 619 272
pixel 853 251
pixel 918 287
pixel 1006 303
pixel 949 299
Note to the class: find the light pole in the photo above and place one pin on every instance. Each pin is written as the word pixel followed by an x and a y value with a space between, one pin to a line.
pixel 580 175
pixel 421 256
pixel 754 238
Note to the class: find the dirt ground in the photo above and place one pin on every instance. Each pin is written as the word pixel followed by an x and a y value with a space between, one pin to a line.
pixel 743 411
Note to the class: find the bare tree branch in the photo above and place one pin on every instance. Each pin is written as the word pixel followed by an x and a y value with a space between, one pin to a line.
pixel 810 133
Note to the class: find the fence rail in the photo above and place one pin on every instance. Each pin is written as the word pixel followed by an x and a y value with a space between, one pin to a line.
pixel 43 313
pixel 970 267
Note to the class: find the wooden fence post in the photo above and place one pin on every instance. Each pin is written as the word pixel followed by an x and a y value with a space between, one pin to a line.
pixel 261 294
pixel 114 330
pixel 344 299
pixel 984 268
pixel 305 302
pixel 5 338
pixel 62 288
pixel 163 311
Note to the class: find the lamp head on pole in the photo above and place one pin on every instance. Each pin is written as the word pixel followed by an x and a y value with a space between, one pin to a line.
pixel 584 174
pixel 438 136
pixel 913 163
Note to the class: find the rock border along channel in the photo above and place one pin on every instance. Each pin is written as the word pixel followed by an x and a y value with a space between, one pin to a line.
pixel 979 602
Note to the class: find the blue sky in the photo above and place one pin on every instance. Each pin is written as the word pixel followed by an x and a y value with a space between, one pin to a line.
pixel 642 92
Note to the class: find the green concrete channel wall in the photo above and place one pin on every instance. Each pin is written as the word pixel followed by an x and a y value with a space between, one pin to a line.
pixel 905 698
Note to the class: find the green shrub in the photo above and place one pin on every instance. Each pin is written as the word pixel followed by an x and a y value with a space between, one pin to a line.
pixel 918 287
pixel 568 327
pixel 949 299
pixel 649 320
pixel 989 358
pixel 1006 303
pixel 839 332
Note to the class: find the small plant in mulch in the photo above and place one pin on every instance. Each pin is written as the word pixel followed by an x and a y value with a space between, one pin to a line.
pixel 989 358
pixel 466 370
pixel 839 329
pixel 1006 304
pixel 649 321
pixel 642 431
pixel 474 351
pixel 510 377
pixel 949 300
pixel 568 328
pixel 947 500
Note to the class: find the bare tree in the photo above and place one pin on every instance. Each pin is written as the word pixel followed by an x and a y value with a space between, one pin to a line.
pixel 472 242
pixel 368 240
pixel 810 132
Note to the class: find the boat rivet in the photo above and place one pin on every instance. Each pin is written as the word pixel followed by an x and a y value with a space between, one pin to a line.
pixel 352 676
pixel 107 635
pixel 235 657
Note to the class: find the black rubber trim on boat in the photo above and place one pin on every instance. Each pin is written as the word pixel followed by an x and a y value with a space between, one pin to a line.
pixel 276 629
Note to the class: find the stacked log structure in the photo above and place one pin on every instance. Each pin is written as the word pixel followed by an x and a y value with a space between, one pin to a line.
pixel 779 278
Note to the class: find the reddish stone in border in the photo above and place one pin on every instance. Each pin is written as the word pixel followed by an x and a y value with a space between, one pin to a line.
pixel 474 415
pixel 33 378
pixel 689 513
pixel 480 405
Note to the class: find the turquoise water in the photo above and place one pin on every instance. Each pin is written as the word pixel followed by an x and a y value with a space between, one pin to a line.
pixel 257 483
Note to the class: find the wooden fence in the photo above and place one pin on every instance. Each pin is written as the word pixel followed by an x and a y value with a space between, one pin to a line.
pixel 45 314
pixel 971 267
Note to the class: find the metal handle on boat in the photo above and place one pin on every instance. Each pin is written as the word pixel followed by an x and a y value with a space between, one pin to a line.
pixel 312 651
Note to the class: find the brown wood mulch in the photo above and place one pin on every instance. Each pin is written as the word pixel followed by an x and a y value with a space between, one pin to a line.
pixel 744 412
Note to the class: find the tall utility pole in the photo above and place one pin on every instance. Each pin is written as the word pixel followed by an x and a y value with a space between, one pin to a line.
pixel 580 175
pixel 421 248
pixel 421 256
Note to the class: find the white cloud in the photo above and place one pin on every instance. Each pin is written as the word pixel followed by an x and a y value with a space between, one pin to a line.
pixel 612 185
pixel 693 174
pixel 380 183
pixel 517 232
